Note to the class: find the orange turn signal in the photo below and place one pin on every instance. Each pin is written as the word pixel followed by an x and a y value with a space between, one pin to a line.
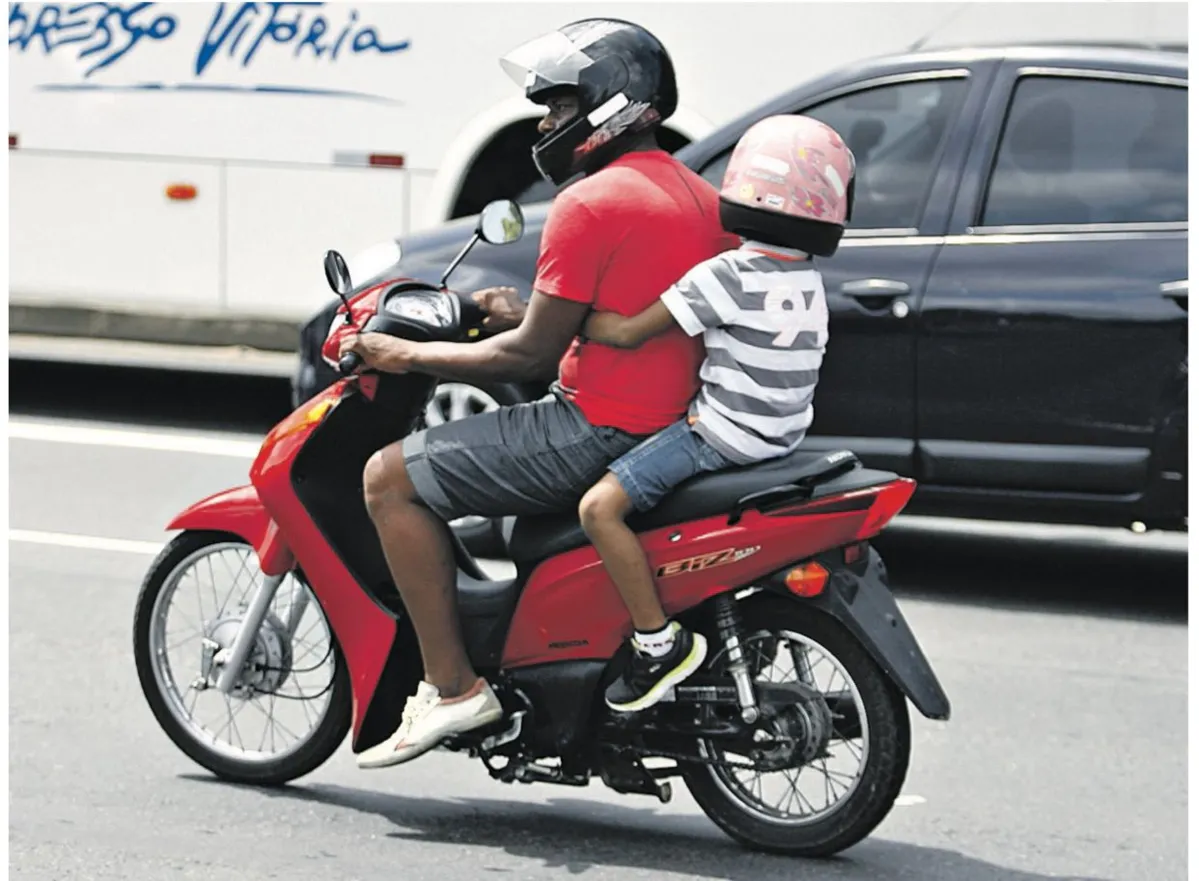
pixel 807 580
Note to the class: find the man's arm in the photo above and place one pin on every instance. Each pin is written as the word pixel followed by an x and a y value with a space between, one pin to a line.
pixel 530 351
pixel 628 332
pixel 574 250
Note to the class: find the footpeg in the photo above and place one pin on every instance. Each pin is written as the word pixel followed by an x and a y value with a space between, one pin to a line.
pixel 489 744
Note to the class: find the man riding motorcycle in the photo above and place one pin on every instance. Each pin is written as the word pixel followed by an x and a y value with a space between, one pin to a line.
pixel 634 223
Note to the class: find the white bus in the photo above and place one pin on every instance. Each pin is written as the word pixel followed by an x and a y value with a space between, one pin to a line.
pixel 177 170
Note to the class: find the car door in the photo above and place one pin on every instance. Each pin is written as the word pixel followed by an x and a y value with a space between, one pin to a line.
pixel 903 128
pixel 1055 315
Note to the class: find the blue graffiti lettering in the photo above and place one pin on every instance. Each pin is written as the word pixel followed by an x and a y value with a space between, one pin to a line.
pixel 282 24
pixel 313 38
pixel 345 33
pixel 111 29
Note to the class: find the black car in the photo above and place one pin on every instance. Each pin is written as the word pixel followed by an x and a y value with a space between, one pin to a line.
pixel 1009 308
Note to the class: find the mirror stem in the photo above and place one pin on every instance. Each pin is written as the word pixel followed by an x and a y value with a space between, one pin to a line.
pixel 461 255
pixel 346 301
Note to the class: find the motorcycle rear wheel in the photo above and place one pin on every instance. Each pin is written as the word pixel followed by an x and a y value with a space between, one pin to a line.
pixel 256 767
pixel 885 753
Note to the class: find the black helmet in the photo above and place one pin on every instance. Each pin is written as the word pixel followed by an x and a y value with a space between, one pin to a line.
pixel 624 81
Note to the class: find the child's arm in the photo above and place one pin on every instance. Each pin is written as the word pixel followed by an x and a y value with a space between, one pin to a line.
pixel 628 332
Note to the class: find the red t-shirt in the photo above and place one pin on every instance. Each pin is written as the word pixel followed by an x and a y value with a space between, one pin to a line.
pixel 617 239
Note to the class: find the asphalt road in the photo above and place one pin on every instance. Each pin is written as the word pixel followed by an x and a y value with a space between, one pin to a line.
pixel 1064 654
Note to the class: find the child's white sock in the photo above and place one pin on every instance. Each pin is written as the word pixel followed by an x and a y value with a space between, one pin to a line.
pixel 655 644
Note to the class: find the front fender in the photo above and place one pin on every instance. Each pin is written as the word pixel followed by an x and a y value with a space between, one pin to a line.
pixel 240 512
pixel 860 599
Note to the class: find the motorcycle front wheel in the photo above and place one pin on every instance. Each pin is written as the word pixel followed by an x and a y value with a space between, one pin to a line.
pixel 291 706
pixel 833 801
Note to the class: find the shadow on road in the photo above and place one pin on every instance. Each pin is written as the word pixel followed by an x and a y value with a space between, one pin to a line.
pixel 575 835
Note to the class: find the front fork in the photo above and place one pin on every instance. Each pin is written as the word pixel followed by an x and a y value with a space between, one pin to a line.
pixel 232 659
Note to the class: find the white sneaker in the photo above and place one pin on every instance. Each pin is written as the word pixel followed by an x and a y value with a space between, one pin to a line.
pixel 429 719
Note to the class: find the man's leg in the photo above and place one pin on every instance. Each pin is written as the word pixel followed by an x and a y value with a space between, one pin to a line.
pixel 452 698
pixel 416 543
pixel 531 458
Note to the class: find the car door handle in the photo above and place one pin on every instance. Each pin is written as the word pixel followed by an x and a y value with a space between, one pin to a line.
pixel 875 287
pixel 876 295
pixel 1176 291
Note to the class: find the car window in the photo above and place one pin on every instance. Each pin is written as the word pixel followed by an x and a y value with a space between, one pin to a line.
pixel 1076 151
pixel 895 132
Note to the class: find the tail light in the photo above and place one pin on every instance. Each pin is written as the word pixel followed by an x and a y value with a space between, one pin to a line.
pixel 891 499
pixel 807 580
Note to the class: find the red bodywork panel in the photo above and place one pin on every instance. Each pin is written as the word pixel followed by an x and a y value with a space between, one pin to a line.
pixel 571 610
pixel 362 308
pixel 240 512
pixel 364 630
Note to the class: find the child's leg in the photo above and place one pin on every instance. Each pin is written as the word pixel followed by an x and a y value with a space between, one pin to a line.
pixel 602 513
pixel 664 654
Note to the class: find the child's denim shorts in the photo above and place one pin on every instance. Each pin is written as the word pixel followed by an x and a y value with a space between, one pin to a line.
pixel 660 463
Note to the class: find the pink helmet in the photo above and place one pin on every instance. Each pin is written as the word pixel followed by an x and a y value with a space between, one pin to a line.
pixel 789 183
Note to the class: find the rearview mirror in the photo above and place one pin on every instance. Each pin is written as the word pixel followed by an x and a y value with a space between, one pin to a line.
pixel 337 273
pixel 501 222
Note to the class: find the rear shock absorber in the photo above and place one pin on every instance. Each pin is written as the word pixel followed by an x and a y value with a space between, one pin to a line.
pixel 728 623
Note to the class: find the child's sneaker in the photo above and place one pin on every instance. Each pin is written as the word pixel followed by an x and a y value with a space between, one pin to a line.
pixel 647 679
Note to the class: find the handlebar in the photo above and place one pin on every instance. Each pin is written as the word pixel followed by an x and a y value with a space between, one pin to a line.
pixel 471 313
pixel 349 362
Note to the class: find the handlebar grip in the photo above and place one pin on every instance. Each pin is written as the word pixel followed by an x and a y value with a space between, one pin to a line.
pixel 349 362
pixel 471 314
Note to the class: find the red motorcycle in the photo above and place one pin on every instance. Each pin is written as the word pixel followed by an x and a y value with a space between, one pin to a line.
pixel 810 662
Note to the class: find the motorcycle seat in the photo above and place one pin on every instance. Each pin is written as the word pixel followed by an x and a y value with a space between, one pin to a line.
pixel 705 495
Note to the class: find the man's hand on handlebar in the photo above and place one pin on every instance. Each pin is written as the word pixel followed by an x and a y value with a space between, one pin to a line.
pixel 380 351
pixel 503 305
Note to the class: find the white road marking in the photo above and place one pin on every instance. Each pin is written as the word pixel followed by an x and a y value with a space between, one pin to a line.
pixel 245 447
pixel 907 801
pixel 129 439
pixel 88 542
pixel 495 568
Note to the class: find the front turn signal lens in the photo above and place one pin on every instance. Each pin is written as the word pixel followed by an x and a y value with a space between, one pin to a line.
pixel 807 580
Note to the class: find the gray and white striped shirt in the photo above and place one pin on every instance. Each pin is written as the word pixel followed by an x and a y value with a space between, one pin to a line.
pixel 765 326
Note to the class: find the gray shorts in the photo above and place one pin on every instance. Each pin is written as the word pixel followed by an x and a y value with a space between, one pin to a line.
pixel 533 458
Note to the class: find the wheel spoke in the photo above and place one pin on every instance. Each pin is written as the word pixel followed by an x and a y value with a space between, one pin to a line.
pixel 184 641
pixel 274 722
pixel 459 404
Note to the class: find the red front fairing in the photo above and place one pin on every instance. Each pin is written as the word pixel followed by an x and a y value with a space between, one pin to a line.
pixel 364 631
pixel 570 610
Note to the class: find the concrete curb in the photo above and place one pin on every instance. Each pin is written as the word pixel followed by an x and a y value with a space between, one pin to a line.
pixel 147 326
